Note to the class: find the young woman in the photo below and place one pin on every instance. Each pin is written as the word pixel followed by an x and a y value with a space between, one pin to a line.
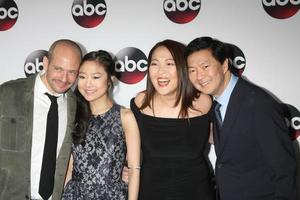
pixel 104 134
pixel 174 127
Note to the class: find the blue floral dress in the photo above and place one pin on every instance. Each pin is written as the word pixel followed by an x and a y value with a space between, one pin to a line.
pixel 98 165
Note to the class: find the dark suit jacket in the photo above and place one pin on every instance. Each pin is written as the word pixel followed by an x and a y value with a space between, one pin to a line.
pixel 255 156
pixel 16 120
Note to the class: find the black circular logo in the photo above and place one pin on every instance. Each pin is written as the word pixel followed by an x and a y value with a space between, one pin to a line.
pixel 292 116
pixel 181 11
pixel 281 9
pixel 131 65
pixel 34 62
pixel 237 60
pixel 8 14
pixel 89 13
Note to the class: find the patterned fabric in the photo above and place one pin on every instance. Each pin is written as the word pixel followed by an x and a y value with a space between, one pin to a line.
pixel 98 164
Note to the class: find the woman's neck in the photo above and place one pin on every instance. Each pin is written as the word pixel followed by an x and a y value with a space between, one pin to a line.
pixel 164 106
pixel 166 100
pixel 101 106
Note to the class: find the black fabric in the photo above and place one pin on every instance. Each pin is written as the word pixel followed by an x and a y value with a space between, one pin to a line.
pixel 174 166
pixel 49 156
pixel 255 155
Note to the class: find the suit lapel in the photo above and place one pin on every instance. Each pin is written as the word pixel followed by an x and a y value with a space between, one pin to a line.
pixel 64 153
pixel 65 149
pixel 232 113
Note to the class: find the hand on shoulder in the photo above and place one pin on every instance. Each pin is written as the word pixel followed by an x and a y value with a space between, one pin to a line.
pixel 139 98
pixel 127 117
pixel 126 113
pixel 203 103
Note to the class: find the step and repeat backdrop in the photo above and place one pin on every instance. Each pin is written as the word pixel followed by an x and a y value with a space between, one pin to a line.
pixel 265 35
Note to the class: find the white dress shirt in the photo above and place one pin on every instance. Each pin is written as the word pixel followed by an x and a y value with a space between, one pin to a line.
pixel 40 110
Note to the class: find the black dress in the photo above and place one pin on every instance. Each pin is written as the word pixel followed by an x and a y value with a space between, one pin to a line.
pixel 174 166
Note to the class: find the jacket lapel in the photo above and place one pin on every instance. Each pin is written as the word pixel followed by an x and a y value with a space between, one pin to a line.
pixel 232 113
pixel 64 154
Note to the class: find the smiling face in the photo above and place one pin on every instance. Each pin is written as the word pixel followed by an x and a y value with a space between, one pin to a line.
pixel 93 81
pixel 207 74
pixel 62 69
pixel 162 72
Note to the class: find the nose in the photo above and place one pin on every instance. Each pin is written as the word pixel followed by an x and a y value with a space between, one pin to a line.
pixel 88 82
pixel 199 74
pixel 64 76
pixel 162 69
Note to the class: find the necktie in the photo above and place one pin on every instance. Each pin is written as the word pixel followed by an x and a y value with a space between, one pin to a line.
pixel 218 116
pixel 49 156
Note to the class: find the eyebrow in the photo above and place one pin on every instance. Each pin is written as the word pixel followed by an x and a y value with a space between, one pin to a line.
pixel 97 73
pixel 155 59
pixel 91 73
pixel 171 59
pixel 203 62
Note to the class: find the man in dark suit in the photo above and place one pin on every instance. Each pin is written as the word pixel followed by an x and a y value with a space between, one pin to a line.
pixel 23 117
pixel 255 156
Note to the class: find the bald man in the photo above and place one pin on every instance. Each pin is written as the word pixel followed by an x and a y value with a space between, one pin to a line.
pixel 24 108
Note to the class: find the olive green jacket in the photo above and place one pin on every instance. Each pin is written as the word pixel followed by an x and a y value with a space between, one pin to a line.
pixel 16 121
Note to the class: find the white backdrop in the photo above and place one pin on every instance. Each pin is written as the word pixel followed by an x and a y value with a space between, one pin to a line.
pixel 271 46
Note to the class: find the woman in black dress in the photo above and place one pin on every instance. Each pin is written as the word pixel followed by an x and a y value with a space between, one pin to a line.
pixel 174 126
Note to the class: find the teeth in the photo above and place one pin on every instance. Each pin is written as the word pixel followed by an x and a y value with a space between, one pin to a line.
pixel 203 83
pixel 163 82
pixel 89 91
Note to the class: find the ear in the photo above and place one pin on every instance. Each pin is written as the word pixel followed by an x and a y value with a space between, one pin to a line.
pixel 225 65
pixel 45 63
pixel 113 78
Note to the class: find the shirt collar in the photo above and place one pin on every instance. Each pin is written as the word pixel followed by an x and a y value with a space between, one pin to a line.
pixel 223 99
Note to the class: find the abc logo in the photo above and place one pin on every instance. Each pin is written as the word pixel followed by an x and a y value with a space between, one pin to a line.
pixel 131 65
pixel 237 59
pixel 294 126
pixel 181 11
pixel 292 116
pixel 281 9
pixel 34 62
pixel 89 13
pixel 8 14
pixel 295 123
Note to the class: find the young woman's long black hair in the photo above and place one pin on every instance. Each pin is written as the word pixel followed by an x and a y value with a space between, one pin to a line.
pixel 83 112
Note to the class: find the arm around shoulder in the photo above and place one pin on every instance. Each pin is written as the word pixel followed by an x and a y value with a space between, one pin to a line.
pixel 69 170
pixel 203 103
